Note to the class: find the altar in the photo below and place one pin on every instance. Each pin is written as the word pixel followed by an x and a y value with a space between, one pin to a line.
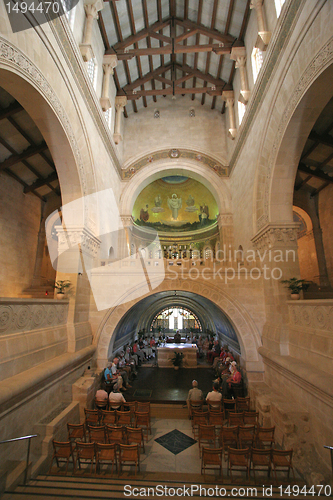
pixel 167 352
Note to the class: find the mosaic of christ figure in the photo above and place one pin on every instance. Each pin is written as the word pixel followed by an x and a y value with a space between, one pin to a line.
pixel 174 203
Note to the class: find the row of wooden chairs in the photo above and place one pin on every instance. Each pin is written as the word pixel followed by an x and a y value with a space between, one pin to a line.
pixel 248 458
pixel 107 453
pixel 226 405
pixel 105 404
pixel 106 434
pixel 237 437
pixel 218 418
pixel 118 417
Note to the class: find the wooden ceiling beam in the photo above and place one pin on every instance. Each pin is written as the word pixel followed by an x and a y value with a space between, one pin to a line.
pixel 177 90
pixel 164 80
pixel 24 184
pixel 210 41
pixel 325 139
pixel 41 182
pixel 140 35
pixel 185 35
pixel 197 41
pixel 158 36
pixel 319 174
pixel 150 58
pixel 323 186
pixel 218 82
pixel 27 153
pixel 149 76
pixel 159 16
pixel 12 109
pixel 185 40
pixel 203 30
pixel 302 183
pixel 177 49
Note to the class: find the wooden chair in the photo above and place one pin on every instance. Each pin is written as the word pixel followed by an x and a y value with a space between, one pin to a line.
pixel 96 434
pixel 195 405
pixel 239 460
pixel 105 453
pixel 198 417
pixel 213 457
pixel 86 452
pixel 115 434
pixel 235 418
pixel 229 405
pixel 246 436
pixel 215 406
pixel 135 435
pixel 265 437
pixel 251 418
pixel 260 460
pixel 216 418
pixel 124 418
pixel 281 460
pixel 129 454
pixel 108 417
pixel 131 407
pixel 62 452
pixel 142 419
pixel 91 417
pixel 101 404
pixel 207 433
pixel 228 437
pixel 243 404
pixel 143 407
pixel 76 432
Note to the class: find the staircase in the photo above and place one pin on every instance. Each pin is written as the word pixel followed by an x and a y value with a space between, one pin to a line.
pixel 52 487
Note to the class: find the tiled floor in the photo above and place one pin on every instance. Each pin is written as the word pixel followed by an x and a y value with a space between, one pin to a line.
pixel 158 459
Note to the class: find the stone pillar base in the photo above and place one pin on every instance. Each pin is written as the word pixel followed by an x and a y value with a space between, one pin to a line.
pixel 86 51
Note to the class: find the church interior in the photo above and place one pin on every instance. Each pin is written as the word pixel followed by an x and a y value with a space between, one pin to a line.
pixel 166 193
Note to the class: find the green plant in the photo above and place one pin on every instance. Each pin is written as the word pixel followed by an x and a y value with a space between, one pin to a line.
pixel 61 285
pixel 177 359
pixel 295 285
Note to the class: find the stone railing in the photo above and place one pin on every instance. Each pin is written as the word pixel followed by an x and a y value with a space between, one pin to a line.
pixel 317 314
pixel 23 315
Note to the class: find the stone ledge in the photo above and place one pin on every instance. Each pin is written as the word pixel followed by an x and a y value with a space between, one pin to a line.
pixel 309 378
pixel 16 390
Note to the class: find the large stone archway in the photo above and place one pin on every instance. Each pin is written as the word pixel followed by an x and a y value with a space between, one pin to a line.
pixel 243 323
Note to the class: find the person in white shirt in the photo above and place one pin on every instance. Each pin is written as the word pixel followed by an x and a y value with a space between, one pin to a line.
pixel 214 396
pixel 116 399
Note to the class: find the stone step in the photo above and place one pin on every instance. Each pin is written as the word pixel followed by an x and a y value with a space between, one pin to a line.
pixel 51 487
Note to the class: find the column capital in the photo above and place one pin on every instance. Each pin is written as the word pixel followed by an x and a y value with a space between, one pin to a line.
pixel 228 97
pixel 238 54
pixel 92 7
pixel 225 220
pixel 255 4
pixel 120 102
pixel 276 235
pixel 127 220
pixel 110 61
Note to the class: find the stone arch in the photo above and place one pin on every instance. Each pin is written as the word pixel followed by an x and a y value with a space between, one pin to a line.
pixel 276 176
pixel 241 320
pixel 217 186
pixel 25 82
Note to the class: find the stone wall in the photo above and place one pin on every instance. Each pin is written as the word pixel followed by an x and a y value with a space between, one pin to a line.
pixel 325 206
pixel 19 226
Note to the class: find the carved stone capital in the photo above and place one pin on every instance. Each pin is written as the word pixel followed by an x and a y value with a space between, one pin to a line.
pixel 95 5
pixel 276 235
pixel 117 138
pixel 110 61
pixel 105 103
pixel 86 51
pixel 71 237
pixel 127 220
pixel 120 102
pixel 238 54
pixel 228 97
pixel 225 220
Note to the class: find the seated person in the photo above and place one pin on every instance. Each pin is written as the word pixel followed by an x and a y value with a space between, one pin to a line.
pixel 177 338
pixel 116 370
pixel 116 399
pixel 194 394
pixel 110 378
pixel 101 395
pixel 214 396
pixel 234 378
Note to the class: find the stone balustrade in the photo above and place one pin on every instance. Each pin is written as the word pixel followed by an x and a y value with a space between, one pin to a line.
pixel 317 314
pixel 24 315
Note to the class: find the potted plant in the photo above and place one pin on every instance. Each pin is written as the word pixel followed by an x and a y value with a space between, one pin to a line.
pixel 61 286
pixel 177 359
pixel 295 286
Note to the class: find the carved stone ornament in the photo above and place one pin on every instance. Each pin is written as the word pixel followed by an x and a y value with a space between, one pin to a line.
pixel 276 235
pixel 72 237
pixel 312 315
pixel 174 153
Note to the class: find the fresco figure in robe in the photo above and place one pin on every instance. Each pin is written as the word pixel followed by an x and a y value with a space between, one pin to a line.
pixel 204 214
pixel 144 215
pixel 174 203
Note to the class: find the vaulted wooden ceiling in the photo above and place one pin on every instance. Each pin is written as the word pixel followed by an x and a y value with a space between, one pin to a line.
pixel 173 47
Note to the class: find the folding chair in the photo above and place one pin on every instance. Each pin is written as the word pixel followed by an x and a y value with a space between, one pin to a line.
pixel 96 434
pixel 105 452
pixel 198 417
pixel 91 417
pixel 195 405
pixel 282 461
pixel 216 418
pixel 239 460
pixel 124 418
pixel 211 456
pixel 108 417
pixel 129 454
pixel 251 418
pixel 228 437
pixel 115 434
pixel 243 404
pixel 207 433
pixel 85 451
pixel 260 460
pixel 229 405
pixel 265 437
pixel 246 436
pixel 236 418
pixel 76 432
pixel 135 435
pixel 62 450
pixel 142 419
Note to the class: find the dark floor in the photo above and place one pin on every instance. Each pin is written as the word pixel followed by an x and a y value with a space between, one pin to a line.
pixel 166 385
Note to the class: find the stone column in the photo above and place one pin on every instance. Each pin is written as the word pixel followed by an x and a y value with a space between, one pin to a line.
pixel 226 229
pixel 120 103
pixel 91 8
pixel 228 97
pixel 238 54
pixel 109 63
pixel 277 259
pixel 264 36
pixel 318 240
